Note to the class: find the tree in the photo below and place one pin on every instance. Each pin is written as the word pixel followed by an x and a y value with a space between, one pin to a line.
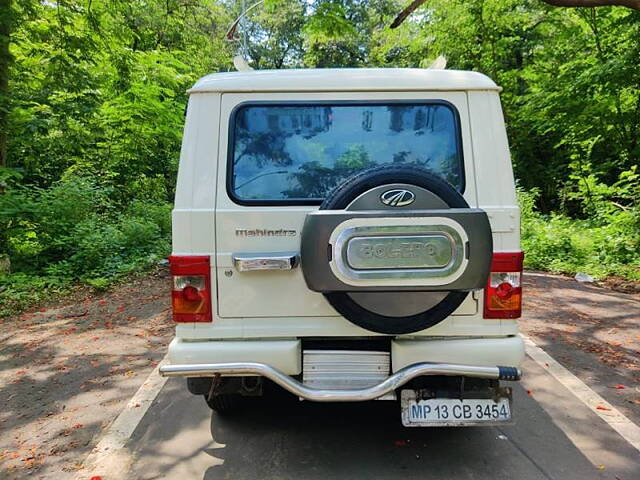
pixel 274 34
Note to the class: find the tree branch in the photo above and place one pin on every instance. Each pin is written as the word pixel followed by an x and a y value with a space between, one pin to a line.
pixel 633 4
pixel 402 16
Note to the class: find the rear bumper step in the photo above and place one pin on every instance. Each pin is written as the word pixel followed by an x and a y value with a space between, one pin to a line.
pixel 391 383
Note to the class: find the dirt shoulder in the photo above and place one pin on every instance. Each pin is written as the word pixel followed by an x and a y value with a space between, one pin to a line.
pixel 593 331
pixel 67 371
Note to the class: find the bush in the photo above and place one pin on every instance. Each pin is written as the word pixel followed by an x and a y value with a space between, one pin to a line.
pixel 73 232
pixel 606 243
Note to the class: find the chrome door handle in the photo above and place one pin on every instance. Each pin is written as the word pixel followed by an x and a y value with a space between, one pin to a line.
pixel 247 262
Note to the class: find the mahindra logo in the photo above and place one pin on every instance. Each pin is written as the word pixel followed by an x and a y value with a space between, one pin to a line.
pixel 261 232
pixel 397 198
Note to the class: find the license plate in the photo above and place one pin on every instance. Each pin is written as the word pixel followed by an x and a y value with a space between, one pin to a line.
pixel 452 411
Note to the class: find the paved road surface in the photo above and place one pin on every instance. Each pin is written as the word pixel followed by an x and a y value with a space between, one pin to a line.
pixel 555 437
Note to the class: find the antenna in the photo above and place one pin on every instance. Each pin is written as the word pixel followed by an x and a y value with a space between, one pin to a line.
pixel 241 59
pixel 244 47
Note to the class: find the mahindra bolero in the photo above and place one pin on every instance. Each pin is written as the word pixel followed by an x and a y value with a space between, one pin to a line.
pixel 348 235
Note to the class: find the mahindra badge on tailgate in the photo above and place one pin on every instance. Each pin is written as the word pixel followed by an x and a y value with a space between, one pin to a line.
pixel 397 198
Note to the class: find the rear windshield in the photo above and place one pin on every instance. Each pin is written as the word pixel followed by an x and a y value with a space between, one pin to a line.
pixel 298 153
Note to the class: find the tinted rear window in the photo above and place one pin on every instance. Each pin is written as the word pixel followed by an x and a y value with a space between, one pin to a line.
pixel 298 153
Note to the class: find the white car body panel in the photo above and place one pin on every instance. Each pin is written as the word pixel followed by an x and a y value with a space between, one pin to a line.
pixel 255 306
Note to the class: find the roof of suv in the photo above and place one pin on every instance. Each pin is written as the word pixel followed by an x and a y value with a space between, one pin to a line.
pixel 344 79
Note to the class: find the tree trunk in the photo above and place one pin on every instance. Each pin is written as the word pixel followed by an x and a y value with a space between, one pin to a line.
pixel 6 20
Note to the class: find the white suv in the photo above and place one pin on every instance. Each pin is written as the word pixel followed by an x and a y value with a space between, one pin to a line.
pixel 348 235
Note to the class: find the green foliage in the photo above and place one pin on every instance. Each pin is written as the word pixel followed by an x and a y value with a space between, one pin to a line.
pixel 71 231
pixel 97 99
pixel 273 34
pixel 571 80
pixel 606 243
pixel 327 23
pixel 343 33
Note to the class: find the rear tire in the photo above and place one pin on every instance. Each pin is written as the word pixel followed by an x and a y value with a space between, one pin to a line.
pixel 225 404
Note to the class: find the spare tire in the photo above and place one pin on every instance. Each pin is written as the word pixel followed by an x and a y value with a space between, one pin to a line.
pixel 344 194
pixel 390 191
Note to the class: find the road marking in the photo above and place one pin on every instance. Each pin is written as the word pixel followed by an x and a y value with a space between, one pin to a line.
pixel 109 458
pixel 607 412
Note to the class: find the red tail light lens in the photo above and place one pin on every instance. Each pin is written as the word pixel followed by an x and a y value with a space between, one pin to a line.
pixel 503 293
pixel 191 292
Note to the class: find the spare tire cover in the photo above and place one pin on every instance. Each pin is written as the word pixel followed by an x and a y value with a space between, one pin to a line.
pixel 395 312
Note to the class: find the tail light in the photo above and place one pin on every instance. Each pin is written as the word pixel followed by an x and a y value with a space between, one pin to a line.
pixel 503 293
pixel 191 292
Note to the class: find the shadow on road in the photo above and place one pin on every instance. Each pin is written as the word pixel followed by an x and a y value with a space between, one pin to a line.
pixel 279 437
pixel 285 438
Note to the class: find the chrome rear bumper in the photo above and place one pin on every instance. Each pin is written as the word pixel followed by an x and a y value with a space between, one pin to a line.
pixel 353 395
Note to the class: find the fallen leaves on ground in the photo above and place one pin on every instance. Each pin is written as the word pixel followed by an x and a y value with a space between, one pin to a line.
pixel 75 355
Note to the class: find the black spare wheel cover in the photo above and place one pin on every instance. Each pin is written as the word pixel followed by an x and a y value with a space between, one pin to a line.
pixel 394 312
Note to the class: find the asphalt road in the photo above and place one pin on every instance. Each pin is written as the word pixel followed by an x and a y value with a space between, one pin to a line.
pixel 555 436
